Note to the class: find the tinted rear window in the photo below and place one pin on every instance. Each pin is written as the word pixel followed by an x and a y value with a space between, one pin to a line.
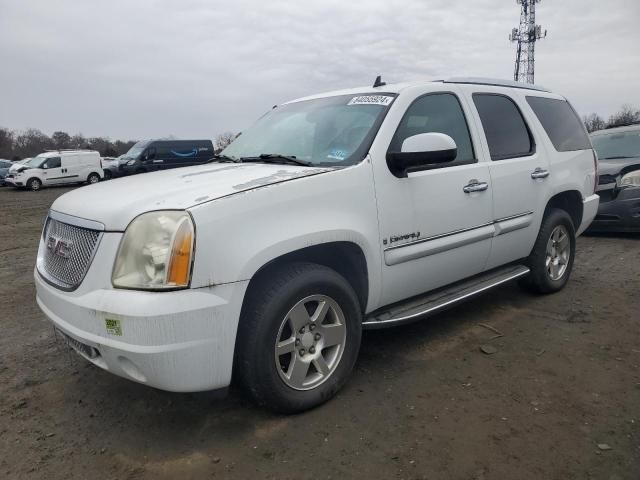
pixel 506 131
pixel 564 128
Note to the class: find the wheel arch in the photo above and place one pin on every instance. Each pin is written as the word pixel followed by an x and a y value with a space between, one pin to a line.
pixel 345 257
pixel 569 201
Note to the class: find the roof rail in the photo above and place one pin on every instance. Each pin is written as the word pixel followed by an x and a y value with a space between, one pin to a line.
pixel 626 124
pixel 495 82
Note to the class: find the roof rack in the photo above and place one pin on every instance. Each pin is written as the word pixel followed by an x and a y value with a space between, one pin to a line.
pixel 68 150
pixel 496 82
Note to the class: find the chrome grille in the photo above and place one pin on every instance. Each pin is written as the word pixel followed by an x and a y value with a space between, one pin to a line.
pixel 67 254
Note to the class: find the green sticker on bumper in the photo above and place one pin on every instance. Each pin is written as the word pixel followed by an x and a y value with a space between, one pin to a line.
pixel 113 326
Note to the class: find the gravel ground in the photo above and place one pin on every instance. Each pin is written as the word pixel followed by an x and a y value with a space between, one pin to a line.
pixel 559 399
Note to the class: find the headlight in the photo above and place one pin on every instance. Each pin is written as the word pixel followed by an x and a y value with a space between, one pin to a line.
pixel 631 179
pixel 156 252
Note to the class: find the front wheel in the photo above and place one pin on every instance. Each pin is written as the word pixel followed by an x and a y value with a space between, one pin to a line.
pixel 34 184
pixel 298 338
pixel 551 259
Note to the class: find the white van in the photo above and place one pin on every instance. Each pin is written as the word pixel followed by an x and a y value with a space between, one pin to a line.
pixel 57 168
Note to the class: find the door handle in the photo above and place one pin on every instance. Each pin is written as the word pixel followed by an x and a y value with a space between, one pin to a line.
pixel 475 186
pixel 539 173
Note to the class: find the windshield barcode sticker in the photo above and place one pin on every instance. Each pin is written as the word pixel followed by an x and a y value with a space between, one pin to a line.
pixel 371 100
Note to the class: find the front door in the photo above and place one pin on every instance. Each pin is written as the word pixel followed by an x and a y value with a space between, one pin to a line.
pixel 436 223
pixel 52 171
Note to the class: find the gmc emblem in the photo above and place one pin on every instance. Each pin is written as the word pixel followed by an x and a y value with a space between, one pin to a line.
pixel 58 246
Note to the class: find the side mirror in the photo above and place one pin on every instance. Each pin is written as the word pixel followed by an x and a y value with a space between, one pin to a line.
pixel 420 151
pixel 45 166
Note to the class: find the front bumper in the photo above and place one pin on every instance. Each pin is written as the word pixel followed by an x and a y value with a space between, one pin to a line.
pixel 13 182
pixel 180 341
pixel 619 211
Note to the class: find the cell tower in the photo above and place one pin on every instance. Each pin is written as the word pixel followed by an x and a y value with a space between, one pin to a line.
pixel 526 36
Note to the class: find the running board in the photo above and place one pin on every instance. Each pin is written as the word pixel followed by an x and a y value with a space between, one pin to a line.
pixel 436 301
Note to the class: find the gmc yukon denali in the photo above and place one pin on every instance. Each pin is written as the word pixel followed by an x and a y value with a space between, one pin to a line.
pixel 351 210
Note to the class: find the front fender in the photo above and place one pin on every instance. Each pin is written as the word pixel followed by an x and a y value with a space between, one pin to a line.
pixel 237 235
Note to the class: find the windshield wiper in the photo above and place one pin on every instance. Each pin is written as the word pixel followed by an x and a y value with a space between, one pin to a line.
pixel 221 158
pixel 277 158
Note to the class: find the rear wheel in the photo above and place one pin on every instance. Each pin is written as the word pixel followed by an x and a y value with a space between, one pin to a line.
pixel 299 337
pixel 551 259
pixel 34 184
pixel 93 178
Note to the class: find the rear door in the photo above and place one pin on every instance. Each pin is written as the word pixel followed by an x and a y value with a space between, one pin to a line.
pixel 519 167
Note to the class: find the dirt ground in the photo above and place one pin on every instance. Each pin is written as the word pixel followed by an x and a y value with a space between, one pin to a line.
pixel 423 402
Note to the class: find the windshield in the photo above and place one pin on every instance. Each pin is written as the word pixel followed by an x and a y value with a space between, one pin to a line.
pixel 36 162
pixel 330 131
pixel 617 145
pixel 136 150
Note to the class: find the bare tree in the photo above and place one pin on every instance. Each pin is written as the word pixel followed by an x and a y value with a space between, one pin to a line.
pixel 6 143
pixel 626 116
pixel 31 142
pixel 61 140
pixel 223 140
pixel 593 122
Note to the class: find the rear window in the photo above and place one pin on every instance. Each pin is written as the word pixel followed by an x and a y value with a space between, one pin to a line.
pixel 559 120
pixel 507 133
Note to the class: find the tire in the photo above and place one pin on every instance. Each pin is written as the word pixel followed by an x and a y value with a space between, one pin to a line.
pixel 287 299
pixel 550 267
pixel 108 175
pixel 34 184
pixel 93 178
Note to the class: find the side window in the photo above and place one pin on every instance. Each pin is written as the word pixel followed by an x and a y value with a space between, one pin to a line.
pixel 53 162
pixel 151 153
pixel 439 113
pixel 507 133
pixel 559 120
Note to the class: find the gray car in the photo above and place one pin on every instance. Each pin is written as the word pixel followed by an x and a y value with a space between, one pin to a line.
pixel 618 152
pixel 5 165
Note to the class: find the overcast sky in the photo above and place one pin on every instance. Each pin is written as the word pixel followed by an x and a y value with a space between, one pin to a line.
pixel 195 68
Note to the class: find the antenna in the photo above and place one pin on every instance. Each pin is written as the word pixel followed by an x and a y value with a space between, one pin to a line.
pixel 379 82
pixel 526 36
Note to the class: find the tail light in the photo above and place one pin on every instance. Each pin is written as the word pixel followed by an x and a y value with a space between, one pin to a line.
pixel 595 166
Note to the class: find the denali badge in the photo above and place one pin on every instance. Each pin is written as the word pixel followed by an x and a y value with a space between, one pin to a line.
pixel 59 247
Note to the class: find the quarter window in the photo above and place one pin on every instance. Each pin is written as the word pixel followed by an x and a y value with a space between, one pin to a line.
pixel 559 120
pixel 439 113
pixel 507 133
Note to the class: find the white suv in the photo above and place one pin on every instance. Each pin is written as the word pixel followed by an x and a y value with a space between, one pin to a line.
pixel 356 209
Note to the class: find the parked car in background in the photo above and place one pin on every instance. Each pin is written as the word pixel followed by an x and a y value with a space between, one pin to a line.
pixel 57 168
pixel 5 165
pixel 618 152
pixel 152 155
pixel 362 208
pixel 110 167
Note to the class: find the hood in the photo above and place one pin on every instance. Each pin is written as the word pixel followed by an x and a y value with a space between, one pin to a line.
pixel 116 202
pixel 615 165
pixel 609 170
